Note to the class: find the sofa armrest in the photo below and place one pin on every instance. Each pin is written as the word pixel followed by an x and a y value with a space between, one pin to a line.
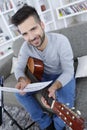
pixel 5 66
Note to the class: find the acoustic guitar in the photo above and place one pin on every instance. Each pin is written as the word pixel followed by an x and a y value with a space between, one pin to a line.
pixel 73 120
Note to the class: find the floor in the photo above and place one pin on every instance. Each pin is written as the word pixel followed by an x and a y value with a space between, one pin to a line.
pixel 22 118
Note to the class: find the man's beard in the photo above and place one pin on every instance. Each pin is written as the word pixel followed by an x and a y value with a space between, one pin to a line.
pixel 42 38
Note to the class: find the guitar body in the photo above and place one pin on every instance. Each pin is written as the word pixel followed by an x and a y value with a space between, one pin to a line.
pixel 74 121
pixel 36 67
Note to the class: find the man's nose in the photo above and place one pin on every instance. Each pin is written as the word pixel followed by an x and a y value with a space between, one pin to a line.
pixel 30 36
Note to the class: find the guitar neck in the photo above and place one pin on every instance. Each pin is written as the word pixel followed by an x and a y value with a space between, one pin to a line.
pixel 69 117
pixel 30 75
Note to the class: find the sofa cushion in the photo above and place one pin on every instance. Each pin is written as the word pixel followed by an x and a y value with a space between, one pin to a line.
pixel 9 98
pixel 81 96
pixel 5 66
pixel 17 45
pixel 14 64
pixel 77 36
pixel 82 67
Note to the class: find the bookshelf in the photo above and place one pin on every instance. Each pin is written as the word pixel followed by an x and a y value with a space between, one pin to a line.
pixel 6 37
pixel 8 32
pixel 44 7
pixel 71 9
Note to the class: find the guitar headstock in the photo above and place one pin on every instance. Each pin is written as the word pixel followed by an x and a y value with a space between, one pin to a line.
pixel 72 119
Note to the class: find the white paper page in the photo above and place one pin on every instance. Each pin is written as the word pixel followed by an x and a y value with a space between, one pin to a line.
pixel 29 88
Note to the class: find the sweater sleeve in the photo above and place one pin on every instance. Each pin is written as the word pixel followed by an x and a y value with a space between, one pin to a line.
pixel 66 61
pixel 22 62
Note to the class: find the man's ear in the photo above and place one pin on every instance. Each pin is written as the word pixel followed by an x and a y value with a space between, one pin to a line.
pixel 42 25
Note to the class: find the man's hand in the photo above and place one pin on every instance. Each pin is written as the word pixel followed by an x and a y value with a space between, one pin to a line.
pixel 55 86
pixel 44 101
pixel 22 83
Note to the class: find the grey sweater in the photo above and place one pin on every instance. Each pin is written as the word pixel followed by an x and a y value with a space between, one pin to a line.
pixel 57 58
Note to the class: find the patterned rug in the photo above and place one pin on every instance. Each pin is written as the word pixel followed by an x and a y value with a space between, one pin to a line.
pixel 22 118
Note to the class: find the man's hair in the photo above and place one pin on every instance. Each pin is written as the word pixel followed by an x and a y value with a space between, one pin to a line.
pixel 23 13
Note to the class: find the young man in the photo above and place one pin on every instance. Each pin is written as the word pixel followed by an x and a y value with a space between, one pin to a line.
pixel 56 53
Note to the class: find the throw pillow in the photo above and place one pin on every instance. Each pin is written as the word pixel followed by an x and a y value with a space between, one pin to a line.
pixel 82 67
pixel 14 63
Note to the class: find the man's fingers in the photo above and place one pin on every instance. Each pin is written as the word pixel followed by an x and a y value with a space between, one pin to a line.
pixel 45 102
pixel 22 93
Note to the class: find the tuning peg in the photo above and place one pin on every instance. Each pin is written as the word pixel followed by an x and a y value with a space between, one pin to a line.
pixel 73 108
pixel 78 112
pixel 67 104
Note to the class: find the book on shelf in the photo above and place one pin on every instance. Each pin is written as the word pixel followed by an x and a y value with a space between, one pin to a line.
pixel 15 31
pixel 42 5
pixel 83 6
pixel 60 13
pixel 8 17
pixel 47 17
pixel 6 5
pixel 5 52
pixel 2 38
pixel 20 3
pixel 69 10
pixel 65 11
pixel 73 9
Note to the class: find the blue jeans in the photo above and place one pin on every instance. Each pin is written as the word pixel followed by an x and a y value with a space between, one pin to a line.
pixel 64 95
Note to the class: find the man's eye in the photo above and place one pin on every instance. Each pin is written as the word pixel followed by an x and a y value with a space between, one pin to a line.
pixel 24 34
pixel 33 28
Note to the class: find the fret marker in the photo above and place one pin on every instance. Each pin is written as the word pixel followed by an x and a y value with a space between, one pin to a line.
pixel 65 118
pixel 67 104
pixel 78 112
pixel 67 113
pixel 62 108
pixel 70 123
pixel 73 117
pixel 60 113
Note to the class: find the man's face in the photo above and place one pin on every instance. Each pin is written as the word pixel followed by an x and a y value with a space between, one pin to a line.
pixel 32 31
